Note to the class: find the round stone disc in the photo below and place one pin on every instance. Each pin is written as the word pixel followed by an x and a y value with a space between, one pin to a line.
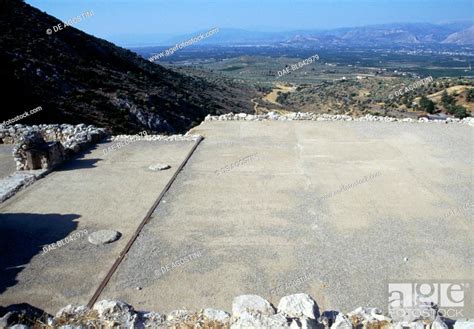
pixel 103 237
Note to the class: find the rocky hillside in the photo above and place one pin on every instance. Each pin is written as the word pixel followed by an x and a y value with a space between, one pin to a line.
pixel 464 37
pixel 77 78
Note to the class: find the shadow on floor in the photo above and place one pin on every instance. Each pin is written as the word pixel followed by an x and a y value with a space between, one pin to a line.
pixel 79 161
pixel 23 235
pixel 75 164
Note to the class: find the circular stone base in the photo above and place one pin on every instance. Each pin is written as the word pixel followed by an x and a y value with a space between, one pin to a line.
pixel 103 237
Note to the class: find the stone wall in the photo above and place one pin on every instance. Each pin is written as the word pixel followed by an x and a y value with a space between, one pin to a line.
pixel 44 146
pixel 325 117
pixel 248 311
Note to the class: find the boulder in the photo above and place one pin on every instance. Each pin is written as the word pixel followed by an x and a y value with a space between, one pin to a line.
pixel 260 321
pixel 342 322
pixel 437 324
pixel 216 315
pixel 304 323
pixel 103 237
pixel 252 304
pixel 297 306
pixel 464 324
pixel 153 320
pixel 117 311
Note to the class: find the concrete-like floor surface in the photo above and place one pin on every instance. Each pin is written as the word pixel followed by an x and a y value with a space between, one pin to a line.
pixel 260 208
pixel 7 164
pixel 279 221
pixel 97 191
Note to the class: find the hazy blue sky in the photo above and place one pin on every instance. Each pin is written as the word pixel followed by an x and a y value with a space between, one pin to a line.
pixel 116 19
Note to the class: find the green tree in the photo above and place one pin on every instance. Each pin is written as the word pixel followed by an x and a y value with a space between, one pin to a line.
pixel 470 95
pixel 447 99
pixel 458 111
pixel 427 105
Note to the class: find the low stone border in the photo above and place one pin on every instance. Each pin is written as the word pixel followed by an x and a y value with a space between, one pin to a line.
pixel 325 117
pixel 10 185
pixel 50 132
pixel 248 311
pixel 152 138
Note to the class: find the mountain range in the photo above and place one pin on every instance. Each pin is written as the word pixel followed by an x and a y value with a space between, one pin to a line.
pixel 461 33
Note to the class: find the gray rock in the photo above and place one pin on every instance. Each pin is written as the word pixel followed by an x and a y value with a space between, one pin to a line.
pixel 427 311
pixel 342 322
pixel 159 166
pixel 216 315
pixel 178 316
pixel 377 314
pixel 304 323
pixel 298 305
pixel 150 120
pixel 153 320
pixel 115 310
pixel 397 325
pixel 6 320
pixel 20 326
pixel 71 311
pixel 15 182
pixel 417 325
pixel 252 304
pixel 464 324
pixel 438 324
pixel 103 237
pixel 257 320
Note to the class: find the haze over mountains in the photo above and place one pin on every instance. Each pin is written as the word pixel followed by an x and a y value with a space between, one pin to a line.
pixel 461 33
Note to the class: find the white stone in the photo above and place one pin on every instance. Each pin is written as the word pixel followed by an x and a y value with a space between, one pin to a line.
pixel 216 315
pixel 378 315
pixel 464 324
pixel 103 237
pixel 159 166
pixel 438 324
pixel 341 322
pixel 417 325
pixel 117 311
pixel 106 308
pixel 259 321
pixel 71 311
pixel 153 320
pixel 298 305
pixel 304 323
pixel 252 304
pixel 179 315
